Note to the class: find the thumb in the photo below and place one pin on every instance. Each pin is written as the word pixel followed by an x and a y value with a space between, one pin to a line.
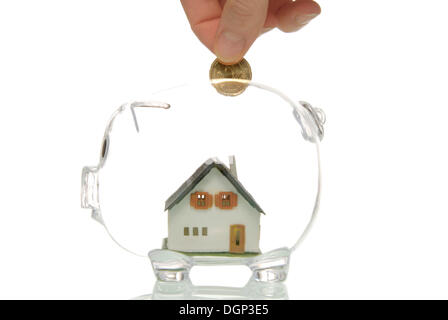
pixel 241 23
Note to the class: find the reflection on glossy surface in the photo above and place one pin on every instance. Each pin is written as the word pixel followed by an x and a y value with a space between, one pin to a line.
pixel 185 290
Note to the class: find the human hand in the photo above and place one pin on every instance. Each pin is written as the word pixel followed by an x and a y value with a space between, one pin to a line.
pixel 229 27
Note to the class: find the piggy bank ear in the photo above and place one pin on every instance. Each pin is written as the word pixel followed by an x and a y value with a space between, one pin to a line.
pixel 311 120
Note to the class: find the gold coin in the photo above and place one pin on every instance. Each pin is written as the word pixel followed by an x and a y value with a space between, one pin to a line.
pixel 230 80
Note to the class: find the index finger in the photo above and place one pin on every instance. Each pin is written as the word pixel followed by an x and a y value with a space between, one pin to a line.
pixel 203 16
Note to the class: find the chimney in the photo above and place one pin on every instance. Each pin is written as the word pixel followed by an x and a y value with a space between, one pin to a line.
pixel 232 166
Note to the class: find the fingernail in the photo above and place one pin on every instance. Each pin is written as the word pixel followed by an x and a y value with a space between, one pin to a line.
pixel 304 19
pixel 229 46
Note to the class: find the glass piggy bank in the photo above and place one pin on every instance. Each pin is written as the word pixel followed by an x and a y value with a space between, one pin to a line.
pixel 192 177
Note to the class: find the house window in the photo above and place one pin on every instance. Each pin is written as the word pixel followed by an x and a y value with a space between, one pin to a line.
pixel 204 231
pixel 226 200
pixel 201 200
pixel 195 231
pixel 186 231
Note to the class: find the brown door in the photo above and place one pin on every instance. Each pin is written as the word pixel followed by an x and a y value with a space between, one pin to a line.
pixel 237 238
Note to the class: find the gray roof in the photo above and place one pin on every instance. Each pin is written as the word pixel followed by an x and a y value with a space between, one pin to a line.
pixel 200 173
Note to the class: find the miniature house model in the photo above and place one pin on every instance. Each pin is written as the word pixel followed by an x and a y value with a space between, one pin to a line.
pixel 213 213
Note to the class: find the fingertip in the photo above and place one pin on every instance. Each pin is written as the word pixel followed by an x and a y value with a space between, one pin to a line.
pixel 315 7
pixel 295 15
pixel 240 25
pixel 206 32
pixel 229 47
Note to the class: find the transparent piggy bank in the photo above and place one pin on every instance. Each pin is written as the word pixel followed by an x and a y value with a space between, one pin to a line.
pixel 192 177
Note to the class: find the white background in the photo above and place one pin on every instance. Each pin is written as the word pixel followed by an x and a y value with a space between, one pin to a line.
pixel 378 69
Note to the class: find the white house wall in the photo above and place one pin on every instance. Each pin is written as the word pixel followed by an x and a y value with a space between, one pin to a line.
pixel 216 220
